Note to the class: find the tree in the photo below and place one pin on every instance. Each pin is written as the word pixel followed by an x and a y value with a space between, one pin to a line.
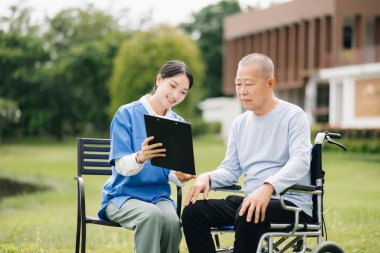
pixel 58 78
pixel 207 30
pixel 22 57
pixel 76 26
pixel 82 44
pixel 76 84
pixel 139 59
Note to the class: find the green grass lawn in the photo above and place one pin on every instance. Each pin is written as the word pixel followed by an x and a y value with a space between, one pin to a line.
pixel 46 221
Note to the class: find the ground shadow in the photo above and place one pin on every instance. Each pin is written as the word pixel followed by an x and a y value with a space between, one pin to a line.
pixel 9 187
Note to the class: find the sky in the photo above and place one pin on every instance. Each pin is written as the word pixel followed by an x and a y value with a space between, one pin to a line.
pixel 170 12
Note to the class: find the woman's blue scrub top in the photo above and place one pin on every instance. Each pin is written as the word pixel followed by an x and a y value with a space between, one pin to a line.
pixel 151 183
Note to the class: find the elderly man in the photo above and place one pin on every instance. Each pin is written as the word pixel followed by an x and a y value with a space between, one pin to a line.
pixel 270 144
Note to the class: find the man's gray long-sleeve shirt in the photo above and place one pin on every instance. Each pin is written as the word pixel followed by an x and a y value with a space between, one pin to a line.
pixel 273 148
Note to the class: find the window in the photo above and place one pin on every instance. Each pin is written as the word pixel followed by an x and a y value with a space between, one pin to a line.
pixel 322 110
pixel 347 37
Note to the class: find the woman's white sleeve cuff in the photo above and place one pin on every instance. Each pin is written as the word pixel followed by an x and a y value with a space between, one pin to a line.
pixel 128 166
pixel 173 178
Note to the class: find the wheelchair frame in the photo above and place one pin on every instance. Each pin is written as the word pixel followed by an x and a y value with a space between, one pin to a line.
pixel 296 232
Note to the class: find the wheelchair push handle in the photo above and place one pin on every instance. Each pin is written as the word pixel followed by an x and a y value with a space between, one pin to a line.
pixel 333 135
pixel 330 136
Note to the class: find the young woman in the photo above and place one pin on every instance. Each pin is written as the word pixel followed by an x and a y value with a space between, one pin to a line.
pixel 137 195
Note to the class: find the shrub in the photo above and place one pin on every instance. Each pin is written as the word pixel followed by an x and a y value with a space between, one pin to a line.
pixel 362 140
pixel 200 127
pixel 9 113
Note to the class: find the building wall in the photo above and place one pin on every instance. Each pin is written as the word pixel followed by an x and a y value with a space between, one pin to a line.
pixel 223 110
pixel 354 100
pixel 302 37
pixel 367 95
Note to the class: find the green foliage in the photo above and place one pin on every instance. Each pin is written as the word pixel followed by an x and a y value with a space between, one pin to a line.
pixel 57 74
pixel 357 140
pixel 13 248
pixel 58 78
pixel 82 46
pixel 360 145
pixel 207 29
pixel 9 113
pixel 77 87
pixel 8 244
pixel 22 57
pixel 76 26
pixel 200 127
pixel 139 60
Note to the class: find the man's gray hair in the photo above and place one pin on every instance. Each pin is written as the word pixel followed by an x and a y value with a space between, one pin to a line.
pixel 262 60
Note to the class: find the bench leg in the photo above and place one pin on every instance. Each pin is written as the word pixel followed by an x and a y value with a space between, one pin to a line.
pixel 83 244
pixel 77 240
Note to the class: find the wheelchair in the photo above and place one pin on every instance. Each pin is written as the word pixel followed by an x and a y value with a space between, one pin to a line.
pixel 292 237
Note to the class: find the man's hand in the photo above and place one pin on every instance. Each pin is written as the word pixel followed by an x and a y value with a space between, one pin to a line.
pixel 202 184
pixel 257 203
pixel 183 177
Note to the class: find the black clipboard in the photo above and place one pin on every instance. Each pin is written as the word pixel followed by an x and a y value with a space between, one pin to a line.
pixel 176 138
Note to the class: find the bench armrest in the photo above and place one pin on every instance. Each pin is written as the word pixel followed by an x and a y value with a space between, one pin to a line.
pixel 179 200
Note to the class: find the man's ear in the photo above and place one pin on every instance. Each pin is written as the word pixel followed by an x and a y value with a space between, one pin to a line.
pixel 271 82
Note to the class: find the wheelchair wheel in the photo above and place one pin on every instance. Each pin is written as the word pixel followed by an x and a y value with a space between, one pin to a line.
pixel 328 247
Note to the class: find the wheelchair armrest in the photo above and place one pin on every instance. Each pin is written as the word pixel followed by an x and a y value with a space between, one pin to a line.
pixel 231 188
pixel 310 189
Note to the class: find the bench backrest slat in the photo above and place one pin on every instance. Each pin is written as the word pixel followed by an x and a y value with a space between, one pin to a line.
pixel 93 156
pixel 102 149
pixel 96 141
pixel 96 172
pixel 95 164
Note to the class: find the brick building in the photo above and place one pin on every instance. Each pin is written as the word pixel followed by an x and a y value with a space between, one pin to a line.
pixel 326 54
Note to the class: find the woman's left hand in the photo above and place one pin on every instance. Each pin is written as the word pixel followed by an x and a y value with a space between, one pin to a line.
pixel 183 176
pixel 149 151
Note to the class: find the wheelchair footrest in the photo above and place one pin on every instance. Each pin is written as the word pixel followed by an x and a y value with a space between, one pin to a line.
pixel 300 227
pixel 225 250
pixel 223 229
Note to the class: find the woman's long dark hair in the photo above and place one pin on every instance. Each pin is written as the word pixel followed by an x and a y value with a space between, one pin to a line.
pixel 174 68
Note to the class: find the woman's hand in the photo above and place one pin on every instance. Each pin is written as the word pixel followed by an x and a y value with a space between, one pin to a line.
pixel 183 177
pixel 202 184
pixel 150 151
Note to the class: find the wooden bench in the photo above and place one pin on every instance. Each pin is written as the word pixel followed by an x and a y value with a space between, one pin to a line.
pixel 93 160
